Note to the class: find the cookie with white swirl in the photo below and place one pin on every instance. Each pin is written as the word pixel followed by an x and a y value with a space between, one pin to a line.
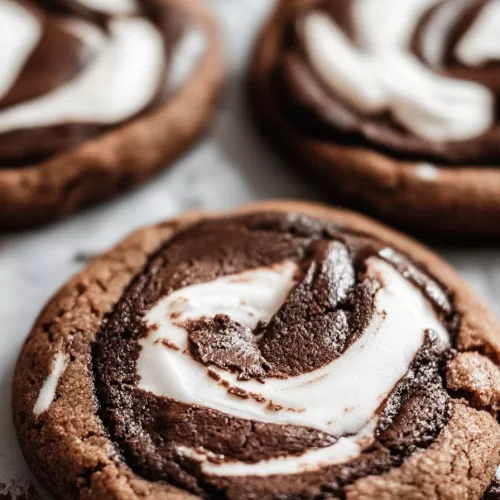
pixel 390 105
pixel 285 351
pixel 96 96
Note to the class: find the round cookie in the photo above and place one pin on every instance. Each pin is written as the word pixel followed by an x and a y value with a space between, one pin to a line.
pixel 394 114
pixel 96 96
pixel 286 350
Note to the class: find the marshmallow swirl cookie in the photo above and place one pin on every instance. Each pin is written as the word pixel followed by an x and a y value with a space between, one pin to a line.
pixel 285 351
pixel 391 105
pixel 95 96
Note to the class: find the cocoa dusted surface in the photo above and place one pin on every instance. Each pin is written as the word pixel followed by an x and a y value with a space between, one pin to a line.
pixel 332 301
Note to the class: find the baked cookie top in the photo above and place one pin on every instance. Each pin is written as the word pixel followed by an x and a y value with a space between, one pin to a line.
pixel 72 69
pixel 97 96
pixel 389 106
pixel 288 351
pixel 418 80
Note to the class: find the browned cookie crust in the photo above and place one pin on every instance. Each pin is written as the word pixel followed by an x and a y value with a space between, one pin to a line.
pixel 102 436
pixel 374 164
pixel 81 163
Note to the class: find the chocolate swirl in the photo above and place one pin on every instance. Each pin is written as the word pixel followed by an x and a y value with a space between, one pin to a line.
pixel 274 354
pixel 493 492
pixel 73 69
pixel 421 83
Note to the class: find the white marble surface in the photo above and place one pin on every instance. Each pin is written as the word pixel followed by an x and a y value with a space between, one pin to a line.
pixel 228 168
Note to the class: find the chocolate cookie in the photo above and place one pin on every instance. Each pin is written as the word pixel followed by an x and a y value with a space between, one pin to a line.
pixel 96 96
pixel 388 105
pixel 284 351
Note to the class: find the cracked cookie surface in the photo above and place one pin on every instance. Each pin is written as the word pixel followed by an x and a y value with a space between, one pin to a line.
pixel 201 358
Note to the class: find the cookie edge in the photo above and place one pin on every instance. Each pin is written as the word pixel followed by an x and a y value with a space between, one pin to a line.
pixel 93 293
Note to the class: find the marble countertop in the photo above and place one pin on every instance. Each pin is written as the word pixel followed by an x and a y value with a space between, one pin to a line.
pixel 228 168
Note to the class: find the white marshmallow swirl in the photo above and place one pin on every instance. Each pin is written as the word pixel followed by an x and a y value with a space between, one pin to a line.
pixel 117 84
pixel 48 391
pixel 111 6
pixel 340 398
pixel 20 32
pixel 122 78
pixel 377 73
